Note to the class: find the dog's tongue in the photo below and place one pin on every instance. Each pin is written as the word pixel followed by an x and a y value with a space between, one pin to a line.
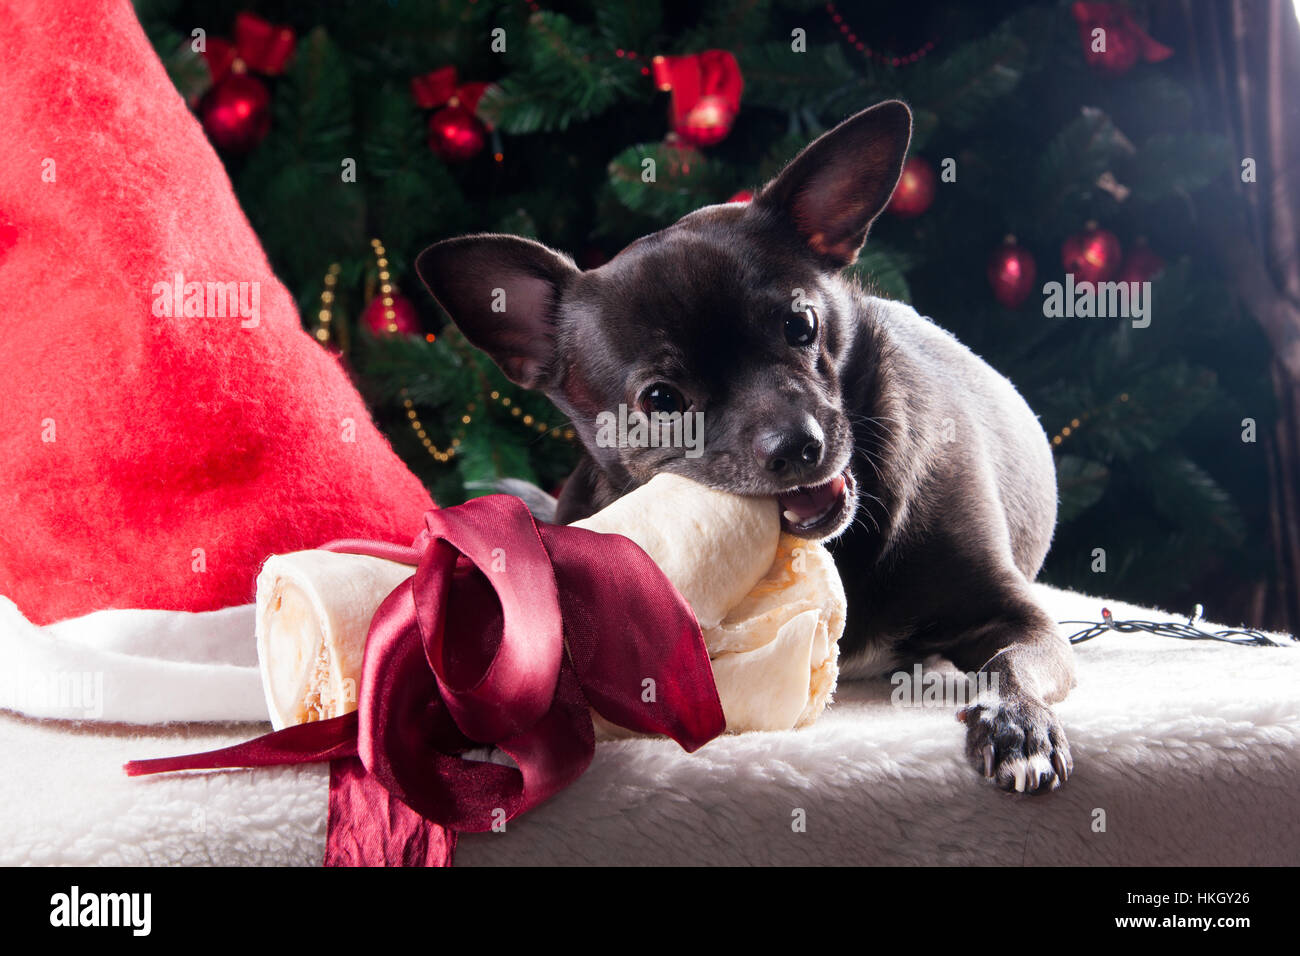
pixel 810 502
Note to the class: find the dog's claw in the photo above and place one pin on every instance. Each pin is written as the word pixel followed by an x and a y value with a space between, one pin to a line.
pixel 1019 744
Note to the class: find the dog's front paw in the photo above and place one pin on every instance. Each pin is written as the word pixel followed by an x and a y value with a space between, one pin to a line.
pixel 1019 743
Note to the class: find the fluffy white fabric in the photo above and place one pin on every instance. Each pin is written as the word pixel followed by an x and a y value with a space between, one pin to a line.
pixel 137 666
pixel 1190 750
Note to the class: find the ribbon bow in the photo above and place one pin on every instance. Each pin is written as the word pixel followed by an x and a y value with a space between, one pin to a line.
pixel 1125 42
pixel 706 89
pixel 442 87
pixel 508 635
pixel 259 46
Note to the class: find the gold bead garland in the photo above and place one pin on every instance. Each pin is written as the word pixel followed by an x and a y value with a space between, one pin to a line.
pixel 444 455
pixel 385 285
pixel 568 434
pixel 326 313
pixel 1073 427
pixel 439 454
pixel 324 330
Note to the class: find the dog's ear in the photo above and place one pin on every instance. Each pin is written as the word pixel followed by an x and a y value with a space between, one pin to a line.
pixel 501 291
pixel 833 190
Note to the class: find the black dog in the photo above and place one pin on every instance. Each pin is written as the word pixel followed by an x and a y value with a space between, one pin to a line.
pixel 864 419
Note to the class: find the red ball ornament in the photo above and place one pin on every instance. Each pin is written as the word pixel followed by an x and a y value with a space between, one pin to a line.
pixel 915 190
pixel 1011 273
pixel 1141 264
pixel 398 319
pixel 708 122
pixel 456 134
pixel 745 195
pixel 237 113
pixel 1092 255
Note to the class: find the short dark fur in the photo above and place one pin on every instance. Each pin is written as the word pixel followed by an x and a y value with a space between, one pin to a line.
pixel 953 497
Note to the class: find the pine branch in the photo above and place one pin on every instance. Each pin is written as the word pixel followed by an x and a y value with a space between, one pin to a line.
pixel 1080 483
pixel 779 78
pixel 292 186
pixel 1184 493
pixel 1161 403
pixel 1175 164
pixel 971 80
pixel 412 193
pixel 729 24
pixel 684 180
pixel 568 75
pixel 491 451
pixel 881 271
pixel 1074 159
pixel 631 26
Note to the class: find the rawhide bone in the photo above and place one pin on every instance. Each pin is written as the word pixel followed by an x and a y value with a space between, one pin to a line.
pixel 770 605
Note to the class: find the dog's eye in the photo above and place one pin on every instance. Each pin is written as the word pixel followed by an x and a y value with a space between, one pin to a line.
pixel 801 328
pixel 662 397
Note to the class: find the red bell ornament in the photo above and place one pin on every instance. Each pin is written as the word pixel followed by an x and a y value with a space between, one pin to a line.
pixel 1141 264
pixel 383 319
pixel 915 190
pixel 1011 273
pixel 1093 255
pixel 456 134
pixel 237 113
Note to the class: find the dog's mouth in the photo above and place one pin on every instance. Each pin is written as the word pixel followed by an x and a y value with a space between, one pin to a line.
pixel 809 510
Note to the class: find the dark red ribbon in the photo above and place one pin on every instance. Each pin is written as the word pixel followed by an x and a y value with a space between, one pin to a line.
pixel 441 87
pixel 260 46
pixel 508 634
pixel 1116 19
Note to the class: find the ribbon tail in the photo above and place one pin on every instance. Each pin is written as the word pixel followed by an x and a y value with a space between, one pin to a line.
pixel 368 826
pixel 625 640
pixel 303 743
pixel 402 554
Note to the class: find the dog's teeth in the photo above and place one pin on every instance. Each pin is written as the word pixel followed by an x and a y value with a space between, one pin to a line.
pixel 790 516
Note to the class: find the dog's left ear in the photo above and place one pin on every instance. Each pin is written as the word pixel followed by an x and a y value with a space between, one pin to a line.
pixel 833 190
pixel 501 291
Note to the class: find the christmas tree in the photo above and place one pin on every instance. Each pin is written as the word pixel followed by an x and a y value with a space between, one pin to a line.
pixel 356 134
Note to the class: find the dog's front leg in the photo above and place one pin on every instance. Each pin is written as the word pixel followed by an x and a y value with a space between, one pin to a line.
pixel 1012 734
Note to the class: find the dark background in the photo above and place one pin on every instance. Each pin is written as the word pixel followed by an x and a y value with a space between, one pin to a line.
pixel 1156 473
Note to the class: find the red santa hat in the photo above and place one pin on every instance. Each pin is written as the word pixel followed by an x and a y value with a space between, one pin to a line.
pixel 150 458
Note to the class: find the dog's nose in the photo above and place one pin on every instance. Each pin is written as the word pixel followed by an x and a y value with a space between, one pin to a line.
pixel 791 449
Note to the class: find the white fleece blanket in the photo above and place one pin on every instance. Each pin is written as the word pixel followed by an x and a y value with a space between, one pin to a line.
pixel 1185 753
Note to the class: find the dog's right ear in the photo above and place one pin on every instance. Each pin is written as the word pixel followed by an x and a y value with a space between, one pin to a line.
pixel 501 291
pixel 833 190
